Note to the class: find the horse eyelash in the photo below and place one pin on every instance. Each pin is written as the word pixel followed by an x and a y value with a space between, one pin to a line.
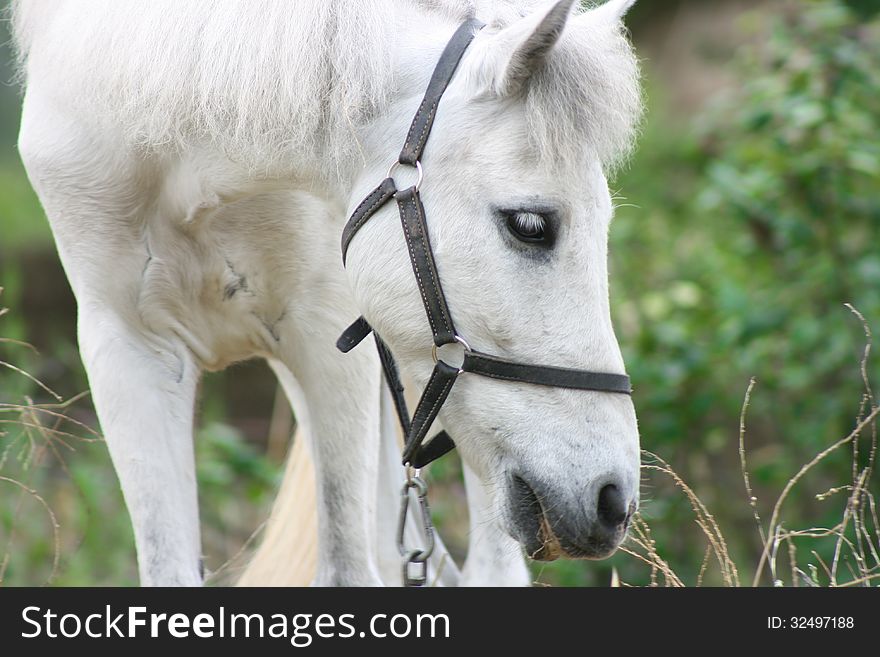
pixel 529 221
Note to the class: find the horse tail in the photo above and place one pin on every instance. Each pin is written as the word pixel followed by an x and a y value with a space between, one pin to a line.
pixel 288 552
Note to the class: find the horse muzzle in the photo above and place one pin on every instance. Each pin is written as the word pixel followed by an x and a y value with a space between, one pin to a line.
pixel 551 525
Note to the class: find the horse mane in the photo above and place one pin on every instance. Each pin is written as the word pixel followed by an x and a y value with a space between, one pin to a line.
pixel 265 88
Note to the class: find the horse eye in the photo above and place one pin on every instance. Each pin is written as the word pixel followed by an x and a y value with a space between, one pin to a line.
pixel 527 226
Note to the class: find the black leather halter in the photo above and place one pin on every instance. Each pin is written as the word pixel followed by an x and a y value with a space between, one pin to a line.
pixel 416 452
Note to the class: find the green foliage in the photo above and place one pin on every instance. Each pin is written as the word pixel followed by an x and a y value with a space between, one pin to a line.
pixel 864 9
pixel 21 218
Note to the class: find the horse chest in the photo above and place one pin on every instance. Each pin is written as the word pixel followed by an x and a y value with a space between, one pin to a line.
pixel 239 283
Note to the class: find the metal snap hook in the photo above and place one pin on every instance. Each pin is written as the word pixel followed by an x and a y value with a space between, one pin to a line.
pixel 415 560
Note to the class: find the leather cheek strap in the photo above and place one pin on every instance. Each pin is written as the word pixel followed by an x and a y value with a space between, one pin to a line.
pixel 395 384
pixel 435 393
pixel 421 255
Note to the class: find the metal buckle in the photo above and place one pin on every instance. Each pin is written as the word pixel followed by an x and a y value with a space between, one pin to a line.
pixel 418 166
pixel 460 340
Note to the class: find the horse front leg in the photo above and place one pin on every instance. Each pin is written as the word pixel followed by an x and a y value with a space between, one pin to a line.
pixel 144 394
pixel 143 382
pixel 336 400
pixel 493 557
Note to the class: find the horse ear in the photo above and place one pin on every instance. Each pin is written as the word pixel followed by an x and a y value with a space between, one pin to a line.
pixel 518 50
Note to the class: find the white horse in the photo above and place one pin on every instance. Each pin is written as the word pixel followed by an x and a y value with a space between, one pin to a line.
pixel 197 161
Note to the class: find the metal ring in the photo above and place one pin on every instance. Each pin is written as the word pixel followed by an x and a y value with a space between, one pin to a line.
pixel 460 340
pixel 418 166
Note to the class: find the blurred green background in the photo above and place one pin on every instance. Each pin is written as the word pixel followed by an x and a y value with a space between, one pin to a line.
pixel 747 218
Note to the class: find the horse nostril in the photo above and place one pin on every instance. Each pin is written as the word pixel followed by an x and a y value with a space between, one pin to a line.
pixel 612 508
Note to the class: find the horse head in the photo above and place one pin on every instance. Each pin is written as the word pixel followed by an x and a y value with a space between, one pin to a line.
pixel 518 210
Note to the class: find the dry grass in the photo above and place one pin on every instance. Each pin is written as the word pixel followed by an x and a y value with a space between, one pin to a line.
pixel 856 537
pixel 30 432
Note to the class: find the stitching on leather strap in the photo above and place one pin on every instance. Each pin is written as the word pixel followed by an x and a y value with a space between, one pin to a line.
pixel 424 424
pixel 438 294
pixel 376 192
pixel 382 197
pixel 412 255
pixel 418 420
pixel 420 142
pixel 423 138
